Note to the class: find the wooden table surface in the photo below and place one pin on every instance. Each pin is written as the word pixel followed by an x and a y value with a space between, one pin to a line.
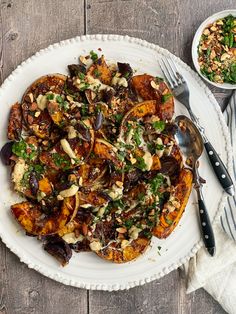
pixel 29 25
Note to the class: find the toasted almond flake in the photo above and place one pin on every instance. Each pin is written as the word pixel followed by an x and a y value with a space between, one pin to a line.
pixel 213 28
pixel 224 56
pixel 67 149
pixel 119 184
pixel 71 191
pixel 124 243
pixel 206 32
pixel 41 101
pixel 132 159
pixel 69 98
pixel 121 230
pixel 37 114
pixel 87 205
pixel 154 85
pixel 80 181
pixel 31 97
pixel 95 246
pixel 60 198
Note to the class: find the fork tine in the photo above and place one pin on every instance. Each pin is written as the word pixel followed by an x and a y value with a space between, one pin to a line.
pixel 166 75
pixel 170 71
pixel 180 78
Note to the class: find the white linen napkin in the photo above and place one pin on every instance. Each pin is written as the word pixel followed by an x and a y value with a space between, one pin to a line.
pixel 217 275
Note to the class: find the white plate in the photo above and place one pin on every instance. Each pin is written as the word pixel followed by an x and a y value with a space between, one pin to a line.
pixel 86 270
pixel 196 41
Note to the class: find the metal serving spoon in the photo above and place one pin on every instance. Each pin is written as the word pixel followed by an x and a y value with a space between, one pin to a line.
pixel 191 144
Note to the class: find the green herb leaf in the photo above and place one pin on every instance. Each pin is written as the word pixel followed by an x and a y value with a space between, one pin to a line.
pixel 96 73
pixel 93 55
pixel 59 99
pixel 159 125
pixel 166 97
pixel 19 149
pixel 50 96
pixel 118 117
pixel 81 76
pixel 156 183
pixel 84 86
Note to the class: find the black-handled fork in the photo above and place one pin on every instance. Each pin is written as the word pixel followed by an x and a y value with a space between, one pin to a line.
pixel 180 91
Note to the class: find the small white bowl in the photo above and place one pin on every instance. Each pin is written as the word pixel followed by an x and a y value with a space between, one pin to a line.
pixel 196 41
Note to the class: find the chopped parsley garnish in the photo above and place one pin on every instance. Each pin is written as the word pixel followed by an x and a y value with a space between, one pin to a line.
pixel 169 221
pixel 19 149
pixel 166 97
pixel 59 99
pixel 50 96
pixel 140 164
pixel 121 155
pixel 156 183
pixel 81 76
pixel 60 161
pixel 119 204
pixel 137 135
pixel 141 196
pixel 159 125
pixel 84 86
pixel 84 110
pixel 159 79
pixel 93 55
pixel 159 147
pixel 129 223
pixel 96 73
pixel 118 117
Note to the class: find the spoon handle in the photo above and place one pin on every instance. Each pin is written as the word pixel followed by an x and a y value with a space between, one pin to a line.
pixel 219 168
pixel 207 232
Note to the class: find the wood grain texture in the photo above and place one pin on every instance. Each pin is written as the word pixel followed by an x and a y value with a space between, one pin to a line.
pixel 29 25
pixel 25 27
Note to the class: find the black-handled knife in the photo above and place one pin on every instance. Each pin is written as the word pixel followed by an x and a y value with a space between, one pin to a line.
pixel 217 164
pixel 205 223
pixel 219 168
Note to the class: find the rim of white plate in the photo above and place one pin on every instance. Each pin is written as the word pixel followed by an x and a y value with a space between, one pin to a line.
pixel 106 37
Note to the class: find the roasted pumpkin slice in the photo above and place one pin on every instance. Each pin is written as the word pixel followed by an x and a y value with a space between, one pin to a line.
pixel 34 103
pixel 148 87
pixel 99 69
pixel 92 171
pixel 131 251
pixel 173 209
pixel 69 153
pixel 15 122
pixel 35 222
pixel 107 151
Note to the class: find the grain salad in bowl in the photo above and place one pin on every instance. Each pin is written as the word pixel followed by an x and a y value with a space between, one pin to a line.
pixel 214 50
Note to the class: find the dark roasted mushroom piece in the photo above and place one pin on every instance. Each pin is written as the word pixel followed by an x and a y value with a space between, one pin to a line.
pixel 58 248
pixel 6 153
pixel 33 182
pixel 75 69
pixel 98 121
pixel 125 70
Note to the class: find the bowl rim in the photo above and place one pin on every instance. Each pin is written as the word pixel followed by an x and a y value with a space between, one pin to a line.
pixel 196 40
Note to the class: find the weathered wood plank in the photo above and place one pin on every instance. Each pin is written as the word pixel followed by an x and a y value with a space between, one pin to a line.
pixel 25 27
pixel 170 24
pixel 29 25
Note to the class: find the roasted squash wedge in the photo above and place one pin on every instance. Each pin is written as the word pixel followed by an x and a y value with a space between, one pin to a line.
pixel 174 208
pixel 146 86
pixel 128 253
pixel 34 103
pixel 35 222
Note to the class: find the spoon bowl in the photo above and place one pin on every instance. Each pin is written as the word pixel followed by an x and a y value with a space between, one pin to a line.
pixel 188 138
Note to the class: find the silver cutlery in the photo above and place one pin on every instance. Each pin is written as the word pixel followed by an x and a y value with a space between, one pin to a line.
pixel 191 144
pixel 180 91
